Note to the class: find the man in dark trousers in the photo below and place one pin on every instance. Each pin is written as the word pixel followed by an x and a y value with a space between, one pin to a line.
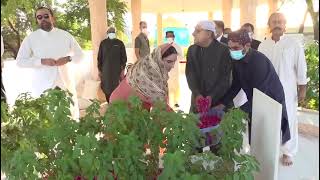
pixel 208 68
pixel 250 29
pixel 252 69
pixel 141 42
pixel 112 59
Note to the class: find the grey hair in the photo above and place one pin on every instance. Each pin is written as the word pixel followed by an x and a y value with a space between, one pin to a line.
pixel 111 29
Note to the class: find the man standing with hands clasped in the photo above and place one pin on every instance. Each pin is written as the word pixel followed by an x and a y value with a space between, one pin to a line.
pixel 112 59
pixel 49 51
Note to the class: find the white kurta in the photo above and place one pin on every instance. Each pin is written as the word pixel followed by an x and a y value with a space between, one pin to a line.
pixel 54 44
pixel 174 81
pixel 288 59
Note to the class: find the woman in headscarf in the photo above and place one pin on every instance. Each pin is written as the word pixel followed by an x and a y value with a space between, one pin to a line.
pixel 148 78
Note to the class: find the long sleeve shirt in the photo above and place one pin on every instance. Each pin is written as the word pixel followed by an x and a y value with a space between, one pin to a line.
pixel 54 44
pixel 288 59
pixel 256 71
pixel 112 59
pixel 208 71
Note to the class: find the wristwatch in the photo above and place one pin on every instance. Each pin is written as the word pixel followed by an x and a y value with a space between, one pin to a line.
pixel 69 58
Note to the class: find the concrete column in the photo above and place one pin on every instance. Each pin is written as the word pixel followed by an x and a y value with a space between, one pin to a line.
pixel 226 12
pixel 136 18
pixel 273 6
pixel 98 20
pixel 159 28
pixel 248 12
pixel 210 15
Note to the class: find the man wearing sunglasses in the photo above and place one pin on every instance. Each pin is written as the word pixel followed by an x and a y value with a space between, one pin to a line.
pixel 49 51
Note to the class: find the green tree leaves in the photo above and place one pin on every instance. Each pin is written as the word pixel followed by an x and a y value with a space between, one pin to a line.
pixel 312 58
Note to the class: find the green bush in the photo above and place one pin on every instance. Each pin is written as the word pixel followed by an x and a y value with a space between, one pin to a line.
pixel 312 58
pixel 39 139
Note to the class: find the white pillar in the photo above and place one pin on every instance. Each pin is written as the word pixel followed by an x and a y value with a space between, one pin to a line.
pixel 98 20
pixel 159 28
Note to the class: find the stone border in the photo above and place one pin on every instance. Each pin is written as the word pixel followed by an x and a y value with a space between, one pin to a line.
pixel 308 130
pixel 308 110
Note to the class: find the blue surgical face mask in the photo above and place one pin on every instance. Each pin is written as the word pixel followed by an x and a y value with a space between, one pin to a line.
pixel 112 35
pixel 237 55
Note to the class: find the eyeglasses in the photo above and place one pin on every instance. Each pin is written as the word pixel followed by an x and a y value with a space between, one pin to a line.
pixel 45 16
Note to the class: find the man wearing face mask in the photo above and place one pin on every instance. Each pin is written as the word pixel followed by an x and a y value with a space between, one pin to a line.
pixel 208 68
pixel 219 32
pixel 252 69
pixel 241 98
pixel 226 31
pixel 288 58
pixel 250 29
pixel 170 39
pixel 141 43
pixel 50 51
pixel 112 59
pixel 173 82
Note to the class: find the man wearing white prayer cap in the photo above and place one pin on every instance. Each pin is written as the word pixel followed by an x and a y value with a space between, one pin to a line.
pixel 208 68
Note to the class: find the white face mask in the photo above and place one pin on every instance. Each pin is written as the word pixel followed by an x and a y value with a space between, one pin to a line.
pixel 250 35
pixel 170 40
pixel 145 31
pixel 112 35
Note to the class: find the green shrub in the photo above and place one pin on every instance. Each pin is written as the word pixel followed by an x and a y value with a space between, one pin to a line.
pixel 39 139
pixel 312 58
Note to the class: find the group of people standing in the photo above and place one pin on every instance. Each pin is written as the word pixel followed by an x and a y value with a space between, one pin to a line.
pixel 219 67
pixel 226 68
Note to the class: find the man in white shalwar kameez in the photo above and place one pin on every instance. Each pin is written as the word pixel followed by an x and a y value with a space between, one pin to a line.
pixel 50 51
pixel 288 59
pixel 174 81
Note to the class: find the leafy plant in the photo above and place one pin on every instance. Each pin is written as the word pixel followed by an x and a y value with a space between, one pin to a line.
pixel 40 140
pixel 312 58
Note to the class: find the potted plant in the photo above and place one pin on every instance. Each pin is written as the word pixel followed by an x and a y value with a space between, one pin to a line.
pixel 39 140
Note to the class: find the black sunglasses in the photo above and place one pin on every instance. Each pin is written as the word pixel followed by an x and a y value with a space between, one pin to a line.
pixel 45 16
